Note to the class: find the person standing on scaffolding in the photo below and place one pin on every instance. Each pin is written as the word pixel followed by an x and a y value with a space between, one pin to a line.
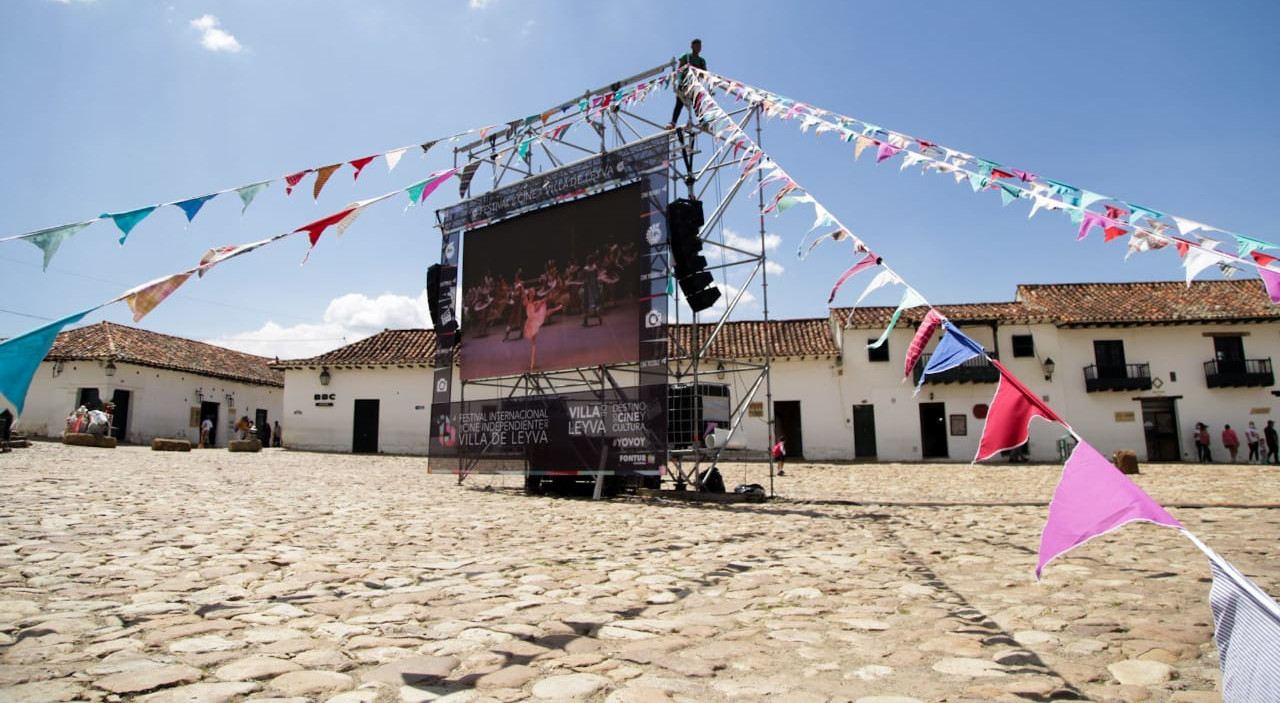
pixel 692 58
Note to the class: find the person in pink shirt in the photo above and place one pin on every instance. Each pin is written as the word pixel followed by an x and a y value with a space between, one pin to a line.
pixel 1230 441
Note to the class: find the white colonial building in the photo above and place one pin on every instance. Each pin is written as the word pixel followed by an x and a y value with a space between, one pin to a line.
pixel 1129 366
pixel 161 386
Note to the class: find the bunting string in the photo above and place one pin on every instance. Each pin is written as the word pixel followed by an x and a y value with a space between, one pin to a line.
pixel 1148 229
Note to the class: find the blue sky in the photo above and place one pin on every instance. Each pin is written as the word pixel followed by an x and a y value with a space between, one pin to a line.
pixel 112 105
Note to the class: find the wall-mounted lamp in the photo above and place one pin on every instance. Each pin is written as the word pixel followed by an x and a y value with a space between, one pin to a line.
pixel 57 369
pixel 110 368
pixel 1048 366
pixel 199 394
pixel 720 370
pixel 324 376
pixel 231 399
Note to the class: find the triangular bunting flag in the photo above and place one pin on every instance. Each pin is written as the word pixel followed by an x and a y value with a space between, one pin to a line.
pixel 867 262
pixel 882 279
pixel 249 192
pixel 317 228
pixel 923 334
pixel 1262 259
pixel 146 297
pixel 359 165
pixel 1246 627
pixel 1271 281
pixel 322 177
pixel 20 356
pixel 1092 499
pixel 50 239
pixel 954 349
pixel 910 299
pixel 393 157
pixel 1009 416
pixel 468 172
pixel 193 205
pixel 127 220
pixel 292 180
pixel 1197 260
pixel 418 192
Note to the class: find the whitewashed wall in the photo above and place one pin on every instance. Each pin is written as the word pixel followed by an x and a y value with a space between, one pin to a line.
pixel 160 405
pixel 828 389
pixel 816 383
pixel 404 410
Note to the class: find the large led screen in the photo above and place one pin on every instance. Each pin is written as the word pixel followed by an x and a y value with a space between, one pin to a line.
pixel 557 288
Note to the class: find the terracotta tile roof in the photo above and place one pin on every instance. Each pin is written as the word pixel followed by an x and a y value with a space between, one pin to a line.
pixel 1003 313
pixel 746 339
pixel 1163 302
pixel 107 340
pixel 737 340
pixel 411 346
pixel 1080 304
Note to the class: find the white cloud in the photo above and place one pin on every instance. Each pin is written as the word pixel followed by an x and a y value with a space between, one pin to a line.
pixel 347 319
pixel 527 29
pixel 480 4
pixel 69 2
pixel 751 242
pixel 213 37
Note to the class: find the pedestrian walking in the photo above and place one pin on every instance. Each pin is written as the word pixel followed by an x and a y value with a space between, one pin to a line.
pixel 1230 441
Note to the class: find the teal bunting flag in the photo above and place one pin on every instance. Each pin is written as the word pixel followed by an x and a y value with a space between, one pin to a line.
pixel 126 221
pixel 50 239
pixel 1088 197
pixel 1248 245
pixel 910 299
pixel 193 205
pixel 977 182
pixel 249 192
pixel 1139 211
pixel 1009 193
pixel 20 357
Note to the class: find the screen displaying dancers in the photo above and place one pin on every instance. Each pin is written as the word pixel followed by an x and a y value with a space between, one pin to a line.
pixel 554 289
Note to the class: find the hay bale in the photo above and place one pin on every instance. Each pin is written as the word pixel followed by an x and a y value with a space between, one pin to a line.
pixel 160 444
pixel 84 439
pixel 1127 461
pixel 244 445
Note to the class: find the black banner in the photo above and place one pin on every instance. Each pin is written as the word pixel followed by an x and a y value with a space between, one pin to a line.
pixel 622 165
pixel 623 433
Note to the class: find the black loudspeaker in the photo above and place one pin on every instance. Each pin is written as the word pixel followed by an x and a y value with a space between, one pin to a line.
pixel 684 219
pixel 440 304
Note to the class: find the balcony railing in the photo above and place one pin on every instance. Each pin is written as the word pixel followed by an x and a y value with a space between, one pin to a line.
pixel 975 370
pixel 1238 373
pixel 1126 377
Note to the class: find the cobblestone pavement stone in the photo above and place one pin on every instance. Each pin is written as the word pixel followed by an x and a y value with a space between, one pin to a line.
pixel 217 576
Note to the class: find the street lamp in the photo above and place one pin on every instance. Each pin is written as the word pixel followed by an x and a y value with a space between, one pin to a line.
pixel 111 367
pixel 324 376
pixel 1048 368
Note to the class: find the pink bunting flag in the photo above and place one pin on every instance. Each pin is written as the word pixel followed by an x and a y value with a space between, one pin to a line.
pixel 317 228
pixel 1271 280
pixel 866 263
pixel 1092 499
pixel 1010 415
pixel 886 151
pixel 923 334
